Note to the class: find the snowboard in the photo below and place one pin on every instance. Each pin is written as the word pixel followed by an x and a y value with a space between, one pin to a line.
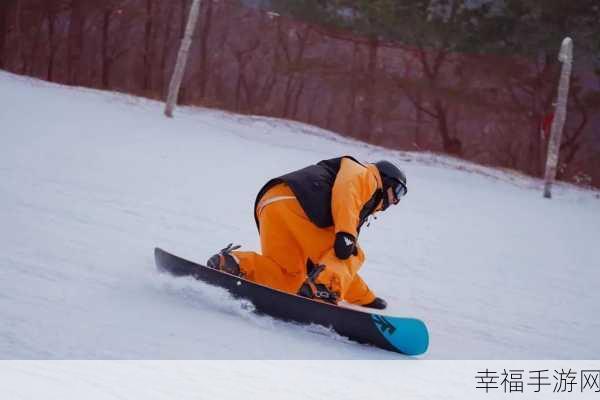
pixel 399 334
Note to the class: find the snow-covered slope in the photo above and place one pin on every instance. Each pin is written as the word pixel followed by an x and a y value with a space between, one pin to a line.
pixel 90 182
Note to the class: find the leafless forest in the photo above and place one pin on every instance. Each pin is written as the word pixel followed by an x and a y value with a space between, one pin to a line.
pixel 486 108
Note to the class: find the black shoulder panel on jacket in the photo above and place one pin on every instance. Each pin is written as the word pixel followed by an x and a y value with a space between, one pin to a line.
pixel 312 187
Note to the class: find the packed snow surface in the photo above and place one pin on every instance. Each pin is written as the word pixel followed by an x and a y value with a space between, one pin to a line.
pixel 91 182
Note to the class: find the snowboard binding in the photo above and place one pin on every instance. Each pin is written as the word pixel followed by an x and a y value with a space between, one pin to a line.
pixel 316 291
pixel 225 261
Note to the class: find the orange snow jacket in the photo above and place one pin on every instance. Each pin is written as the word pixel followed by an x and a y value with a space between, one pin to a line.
pixel 340 193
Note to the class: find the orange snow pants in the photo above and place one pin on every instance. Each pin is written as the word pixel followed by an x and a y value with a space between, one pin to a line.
pixel 288 239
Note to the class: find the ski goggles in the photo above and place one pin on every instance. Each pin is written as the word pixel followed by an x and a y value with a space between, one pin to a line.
pixel 400 190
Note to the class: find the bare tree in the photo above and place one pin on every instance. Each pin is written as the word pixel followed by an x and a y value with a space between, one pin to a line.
pixel 243 57
pixel 18 35
pixel 165 50
pixel 51 10
pixel 114 34
pixel 3 34
pixel 148 29
pixel 432 61
pixel 36 30
pixel 293 64
pixel 566 57
pixel 204 37
pixel 352 92
pixel 371 84
pixel 182 56
pixel 75 42
pixel 106 56
pixel 572 144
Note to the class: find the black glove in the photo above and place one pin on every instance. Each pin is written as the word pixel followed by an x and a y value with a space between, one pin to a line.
pixel 378 303
pixel 345 245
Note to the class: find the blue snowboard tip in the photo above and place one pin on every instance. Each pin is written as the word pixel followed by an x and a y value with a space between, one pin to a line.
pixel 408 335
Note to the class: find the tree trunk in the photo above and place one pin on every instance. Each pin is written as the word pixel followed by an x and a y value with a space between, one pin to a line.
pixel 3 36
pixel 295 80
pixel 311 110
pixel 182 57
pixel 330 113
pixel 350 117
pixel 106 61
pixel 299 93
pixel 572 144
pixel 3 27
pixel 204 49
pixel 451 144
pixel 287 97
pixel 248 94
pixel 165 52
pixel 539 106
pixel 566 57
pixel 266 91
pixel 419 120
pixel 442 123
pixel 75 43
pixel 238 82
pixel 147 85
pixel 369 108
pixel 50 18
pixel 29 66
pixel 20 64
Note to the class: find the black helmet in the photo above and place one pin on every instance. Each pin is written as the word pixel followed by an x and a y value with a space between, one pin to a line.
pixel 391 176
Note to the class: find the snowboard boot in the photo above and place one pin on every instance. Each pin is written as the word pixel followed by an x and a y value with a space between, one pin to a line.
pixel 378 304
pixel 316 291
pixel 225 261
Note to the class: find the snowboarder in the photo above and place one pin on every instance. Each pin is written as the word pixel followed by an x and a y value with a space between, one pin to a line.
pixel 309 221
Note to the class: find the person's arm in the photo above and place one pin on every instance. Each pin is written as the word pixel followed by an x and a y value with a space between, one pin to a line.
pixel 353 188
